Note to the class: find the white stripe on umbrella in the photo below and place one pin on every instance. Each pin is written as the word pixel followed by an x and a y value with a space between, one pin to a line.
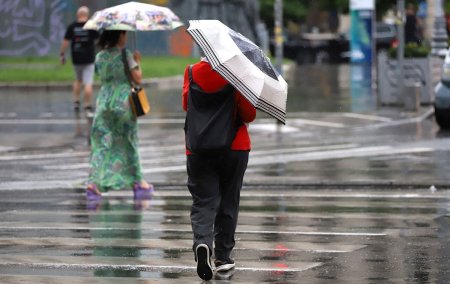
pixel 268 101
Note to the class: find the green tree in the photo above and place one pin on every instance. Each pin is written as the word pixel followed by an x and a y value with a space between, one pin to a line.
pixel 293 10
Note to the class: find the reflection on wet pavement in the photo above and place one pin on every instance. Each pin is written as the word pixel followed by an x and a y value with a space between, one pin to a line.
pixel 284 235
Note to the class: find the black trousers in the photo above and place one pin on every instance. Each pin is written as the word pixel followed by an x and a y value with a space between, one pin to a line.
pixel 215 183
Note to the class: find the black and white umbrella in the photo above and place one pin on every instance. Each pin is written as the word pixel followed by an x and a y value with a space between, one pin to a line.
pixel 243 64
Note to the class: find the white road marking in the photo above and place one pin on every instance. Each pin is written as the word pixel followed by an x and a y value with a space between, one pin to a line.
pixel 366 116
pixel 336 154
pixel 300 121
pixel 154 268
pixel 58 227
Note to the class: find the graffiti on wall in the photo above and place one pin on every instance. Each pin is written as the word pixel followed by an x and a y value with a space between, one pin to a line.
pixel 31 27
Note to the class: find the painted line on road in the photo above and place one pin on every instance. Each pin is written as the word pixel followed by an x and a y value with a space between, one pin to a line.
pixel 366 116
pixel 150 268
pixel 182 158
pixel 256 232
pixel 40 184
pixel 301 121
pixel 244 214
pixel 70 121
pixel 178 244
pixel 45 156
pixel 420 118
pixel 336 154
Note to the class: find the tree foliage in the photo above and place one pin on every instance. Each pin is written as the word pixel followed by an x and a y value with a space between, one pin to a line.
pixel 296 11
pixel 293 10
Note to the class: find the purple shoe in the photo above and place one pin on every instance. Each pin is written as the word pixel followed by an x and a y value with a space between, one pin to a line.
pixel 92 193
pixel 142 193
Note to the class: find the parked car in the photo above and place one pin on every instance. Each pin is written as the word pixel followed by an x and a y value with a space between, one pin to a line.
pixel 442 99
pixel 332 47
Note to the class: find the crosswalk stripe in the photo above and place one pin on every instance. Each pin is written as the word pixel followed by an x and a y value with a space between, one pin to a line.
pixel 178 244
pixel 153 267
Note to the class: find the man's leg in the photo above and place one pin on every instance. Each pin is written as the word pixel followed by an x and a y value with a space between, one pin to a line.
pixel 76 87
pixel 203 184
pixel 88 80
pixel 232 169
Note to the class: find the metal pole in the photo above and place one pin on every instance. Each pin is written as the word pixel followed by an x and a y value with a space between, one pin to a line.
pixel 278 32
pixel 401 48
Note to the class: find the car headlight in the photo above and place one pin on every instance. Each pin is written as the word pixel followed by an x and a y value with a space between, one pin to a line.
pixel 446 73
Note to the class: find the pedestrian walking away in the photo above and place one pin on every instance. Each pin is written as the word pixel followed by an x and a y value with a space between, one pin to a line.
pixel 412 27
pixel 114 157
pixel 217 148
pixel 82 46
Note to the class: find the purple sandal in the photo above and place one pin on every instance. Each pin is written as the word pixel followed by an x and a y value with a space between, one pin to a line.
pixel 92 193
pixel 141 193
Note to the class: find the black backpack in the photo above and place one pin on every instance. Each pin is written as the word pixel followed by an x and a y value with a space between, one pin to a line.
pixel 211 122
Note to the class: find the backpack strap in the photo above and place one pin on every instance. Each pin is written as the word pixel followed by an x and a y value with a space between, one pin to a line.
pixel 190 73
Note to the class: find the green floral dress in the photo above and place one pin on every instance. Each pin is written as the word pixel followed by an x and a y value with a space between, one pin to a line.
pixel 114 141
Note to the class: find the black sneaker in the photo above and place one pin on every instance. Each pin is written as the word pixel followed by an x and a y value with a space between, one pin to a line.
pixel 204 269
pixel 224 265
pixel 76 107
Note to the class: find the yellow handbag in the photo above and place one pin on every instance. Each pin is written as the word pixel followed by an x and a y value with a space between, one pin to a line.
pixel 138 100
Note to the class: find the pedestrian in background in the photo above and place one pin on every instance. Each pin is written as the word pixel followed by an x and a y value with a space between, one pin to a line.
pixel 114 159
pixel 412 27
pixel 82 46
pixel 215 179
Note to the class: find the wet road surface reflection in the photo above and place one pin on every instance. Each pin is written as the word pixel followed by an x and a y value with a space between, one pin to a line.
pixel 285 235
pixel 342 194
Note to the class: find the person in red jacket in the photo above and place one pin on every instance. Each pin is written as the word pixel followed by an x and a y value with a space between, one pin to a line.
pixel 215 181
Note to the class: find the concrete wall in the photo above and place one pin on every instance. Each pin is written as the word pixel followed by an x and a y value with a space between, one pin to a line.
pixel 37 27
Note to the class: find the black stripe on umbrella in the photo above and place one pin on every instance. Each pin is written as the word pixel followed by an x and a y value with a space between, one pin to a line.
pixel 238 84
pixel 257 101
pixel 273 110
pixel 215 63
pixel 263 79
pixel 206 47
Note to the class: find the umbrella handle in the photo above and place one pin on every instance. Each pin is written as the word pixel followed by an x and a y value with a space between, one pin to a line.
pixel 133 41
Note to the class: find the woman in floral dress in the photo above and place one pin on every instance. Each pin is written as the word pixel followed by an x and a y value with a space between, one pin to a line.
pixel 114 141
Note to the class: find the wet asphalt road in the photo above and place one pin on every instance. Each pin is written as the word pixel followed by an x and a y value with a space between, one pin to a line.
pixel 345 193
pixel 285 235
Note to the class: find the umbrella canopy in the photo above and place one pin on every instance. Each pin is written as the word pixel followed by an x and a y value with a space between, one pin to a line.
pixel 243 64
pixel 134 16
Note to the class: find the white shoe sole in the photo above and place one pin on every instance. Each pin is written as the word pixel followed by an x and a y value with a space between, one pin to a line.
pixel 225 267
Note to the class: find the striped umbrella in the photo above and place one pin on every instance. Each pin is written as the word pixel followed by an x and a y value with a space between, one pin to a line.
pixel 243 64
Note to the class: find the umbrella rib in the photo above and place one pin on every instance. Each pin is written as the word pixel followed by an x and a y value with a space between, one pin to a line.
pixel 239 83
pixel 259 102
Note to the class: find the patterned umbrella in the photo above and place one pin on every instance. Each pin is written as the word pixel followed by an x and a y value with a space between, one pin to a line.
pixel 243 64
pixel 134 16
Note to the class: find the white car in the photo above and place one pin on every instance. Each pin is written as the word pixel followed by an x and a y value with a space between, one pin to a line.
pixel 442 100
